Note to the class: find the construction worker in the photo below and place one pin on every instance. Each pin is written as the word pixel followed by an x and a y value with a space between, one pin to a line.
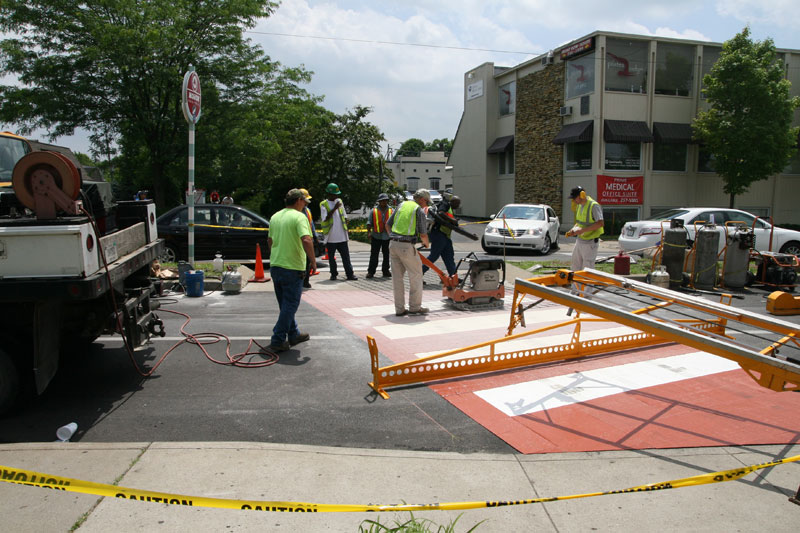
pixel 334 227
pixel 379 236
pixel 407 226
pixel 441 241
pixel 588 228
pixel 290 244
pixel 307 212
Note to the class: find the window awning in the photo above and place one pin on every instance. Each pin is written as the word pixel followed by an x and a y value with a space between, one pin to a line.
pixel 574 133
pixel 672 133
pixel 500 144
pixel 626 131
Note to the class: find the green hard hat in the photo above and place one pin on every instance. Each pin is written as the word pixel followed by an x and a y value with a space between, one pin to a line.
pixel 332 188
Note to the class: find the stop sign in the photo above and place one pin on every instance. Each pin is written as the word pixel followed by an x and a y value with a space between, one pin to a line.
pixel 191 97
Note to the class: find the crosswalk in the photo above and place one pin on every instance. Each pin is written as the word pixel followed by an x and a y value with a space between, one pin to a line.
pixel 659 397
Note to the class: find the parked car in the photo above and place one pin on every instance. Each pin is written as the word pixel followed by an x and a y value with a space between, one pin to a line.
pixel 522 226
pixel 236 238
pixel 436 196
pixel 641 234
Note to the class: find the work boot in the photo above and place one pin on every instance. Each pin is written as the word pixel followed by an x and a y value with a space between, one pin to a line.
pixel 387 274
pixel 301 337
pixel 352 278
pixel 370 275
pixel 420 311
pixel 404 312
pixel 282 347
pixel 333 276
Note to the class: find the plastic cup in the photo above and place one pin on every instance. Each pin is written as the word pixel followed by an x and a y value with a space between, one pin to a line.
pixel 64 433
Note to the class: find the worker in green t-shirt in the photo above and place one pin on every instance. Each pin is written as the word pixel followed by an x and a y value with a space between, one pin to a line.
pixel 290 242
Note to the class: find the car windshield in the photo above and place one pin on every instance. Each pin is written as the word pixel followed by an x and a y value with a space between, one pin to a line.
pixel 669 214
pixel 524 212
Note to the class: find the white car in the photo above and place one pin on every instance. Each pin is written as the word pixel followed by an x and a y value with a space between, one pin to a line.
pixel 436 197
pixel 636 236
pixel 522 226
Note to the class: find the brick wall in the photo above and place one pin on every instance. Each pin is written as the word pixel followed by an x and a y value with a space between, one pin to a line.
pixel 539 162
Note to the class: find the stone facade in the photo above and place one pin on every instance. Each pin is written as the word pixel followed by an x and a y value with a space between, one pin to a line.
pixel 539 162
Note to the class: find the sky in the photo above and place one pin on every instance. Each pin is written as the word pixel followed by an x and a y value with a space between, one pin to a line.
pixel 406 60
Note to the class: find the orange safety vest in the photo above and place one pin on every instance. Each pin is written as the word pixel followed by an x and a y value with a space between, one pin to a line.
pixel 379 219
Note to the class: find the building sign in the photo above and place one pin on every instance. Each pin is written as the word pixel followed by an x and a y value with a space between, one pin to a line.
pixel 580 47
pixel 475 90
pixel 613 190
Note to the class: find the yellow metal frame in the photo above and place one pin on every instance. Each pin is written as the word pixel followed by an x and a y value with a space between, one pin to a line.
pixel 706 334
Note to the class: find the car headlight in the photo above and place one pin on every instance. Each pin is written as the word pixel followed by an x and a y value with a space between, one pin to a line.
pixel 536 232
pixel 492 231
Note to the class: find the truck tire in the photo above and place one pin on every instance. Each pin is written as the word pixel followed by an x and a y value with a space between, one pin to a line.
pixel 9 383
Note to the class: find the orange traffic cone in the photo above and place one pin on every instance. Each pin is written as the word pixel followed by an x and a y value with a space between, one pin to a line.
pixel 259 277
pixel 324 257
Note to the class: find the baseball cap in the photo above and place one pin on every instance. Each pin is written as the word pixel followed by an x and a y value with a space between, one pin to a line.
pixel 295 194
pixel 575 192
pixel 383 196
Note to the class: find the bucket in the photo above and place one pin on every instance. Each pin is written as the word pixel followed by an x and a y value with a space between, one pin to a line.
pixel 194 283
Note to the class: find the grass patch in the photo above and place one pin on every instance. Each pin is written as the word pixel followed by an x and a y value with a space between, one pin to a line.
pixel 412 525
pixel 641 267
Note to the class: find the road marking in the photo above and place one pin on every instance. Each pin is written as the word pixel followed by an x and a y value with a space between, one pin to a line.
pixel 577 387
pixel 234 338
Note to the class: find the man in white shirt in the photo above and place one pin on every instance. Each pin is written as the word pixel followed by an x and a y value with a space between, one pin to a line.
pixel 334 228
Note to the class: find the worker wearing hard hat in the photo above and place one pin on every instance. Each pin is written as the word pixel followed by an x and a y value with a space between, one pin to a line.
pixel 379 236
pixel 588 228
pixel 334 227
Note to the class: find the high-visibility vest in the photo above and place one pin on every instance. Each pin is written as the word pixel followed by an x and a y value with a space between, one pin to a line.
pixel 405 220
pixel 444 229
pixel 307 211
pixel 584 218
pixel 379 219
pixel 326 225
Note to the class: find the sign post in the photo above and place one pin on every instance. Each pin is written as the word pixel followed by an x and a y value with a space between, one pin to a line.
pixel 191 99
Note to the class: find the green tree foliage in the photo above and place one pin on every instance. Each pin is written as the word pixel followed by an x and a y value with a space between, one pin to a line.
pixel 115 67
pixel 410 148
pixel 748 127
pixel 440 145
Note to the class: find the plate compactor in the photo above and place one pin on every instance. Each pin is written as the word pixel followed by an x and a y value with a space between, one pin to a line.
pixel 482 287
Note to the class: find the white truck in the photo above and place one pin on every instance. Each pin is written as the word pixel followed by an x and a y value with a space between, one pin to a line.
pixel 73 265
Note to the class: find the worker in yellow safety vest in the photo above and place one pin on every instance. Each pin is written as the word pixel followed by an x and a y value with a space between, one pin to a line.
pixel 407 226
pixel 334 227
pixel 379 236
pixel 588 228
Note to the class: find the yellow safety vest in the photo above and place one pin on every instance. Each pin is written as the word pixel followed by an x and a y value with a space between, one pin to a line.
pixel 584 218
pixel 326 225
pixel 405 220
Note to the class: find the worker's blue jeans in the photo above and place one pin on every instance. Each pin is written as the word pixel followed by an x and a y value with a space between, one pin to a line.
pixel 288 290
pixel 441 246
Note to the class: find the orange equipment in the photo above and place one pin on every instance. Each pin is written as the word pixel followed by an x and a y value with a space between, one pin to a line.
pixel 486 289
pixel 259 276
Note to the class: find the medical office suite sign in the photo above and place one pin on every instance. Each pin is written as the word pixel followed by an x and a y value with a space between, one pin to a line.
pixel 612 190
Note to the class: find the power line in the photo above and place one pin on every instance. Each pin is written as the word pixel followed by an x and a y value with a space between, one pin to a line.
pixel 368 41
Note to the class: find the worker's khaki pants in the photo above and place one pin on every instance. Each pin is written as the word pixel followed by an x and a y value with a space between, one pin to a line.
pixel 584 254
pixel 405 258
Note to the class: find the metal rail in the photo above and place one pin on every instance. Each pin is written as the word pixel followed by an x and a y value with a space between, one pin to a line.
pixel 707 332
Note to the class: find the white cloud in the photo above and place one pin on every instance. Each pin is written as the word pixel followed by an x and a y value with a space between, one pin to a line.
pixel 780 13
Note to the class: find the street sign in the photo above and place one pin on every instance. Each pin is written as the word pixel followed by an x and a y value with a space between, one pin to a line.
pixel 191 97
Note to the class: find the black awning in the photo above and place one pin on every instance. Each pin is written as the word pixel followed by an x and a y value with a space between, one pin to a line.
pixel 500 144
pixel 575 133
pixel 672 133
pixel 626 131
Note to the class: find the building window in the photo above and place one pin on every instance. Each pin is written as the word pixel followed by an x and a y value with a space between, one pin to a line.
pixel 710 56
pixel 579 156
pixel 507 95
pixel 505 161
pixel 705 161
pixel 626 66
pixel 670 157
pixel 580 76
pixel 413 184
pixel 674 69
pixel 434 184
pixel 623 156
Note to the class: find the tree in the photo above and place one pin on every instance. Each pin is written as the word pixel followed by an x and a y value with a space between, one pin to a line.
pixel 440 145
pixel 115 68
pixel 748 127
pixel 410 148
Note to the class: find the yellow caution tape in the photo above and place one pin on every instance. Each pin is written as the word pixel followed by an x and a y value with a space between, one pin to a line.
pixel 228 227
pixel 38 479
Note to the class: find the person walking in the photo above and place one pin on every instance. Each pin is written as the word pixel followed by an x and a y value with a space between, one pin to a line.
pixel 290 243
pixel 407 226
pixel 588 228
pixel 379 236
pixel 440 236
pixel 334 227
pixel 307 212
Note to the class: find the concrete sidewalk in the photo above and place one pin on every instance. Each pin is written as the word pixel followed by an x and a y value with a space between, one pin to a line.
pixel 258 471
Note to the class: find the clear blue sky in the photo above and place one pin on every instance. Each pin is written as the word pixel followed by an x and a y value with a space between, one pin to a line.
pixel 416 91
